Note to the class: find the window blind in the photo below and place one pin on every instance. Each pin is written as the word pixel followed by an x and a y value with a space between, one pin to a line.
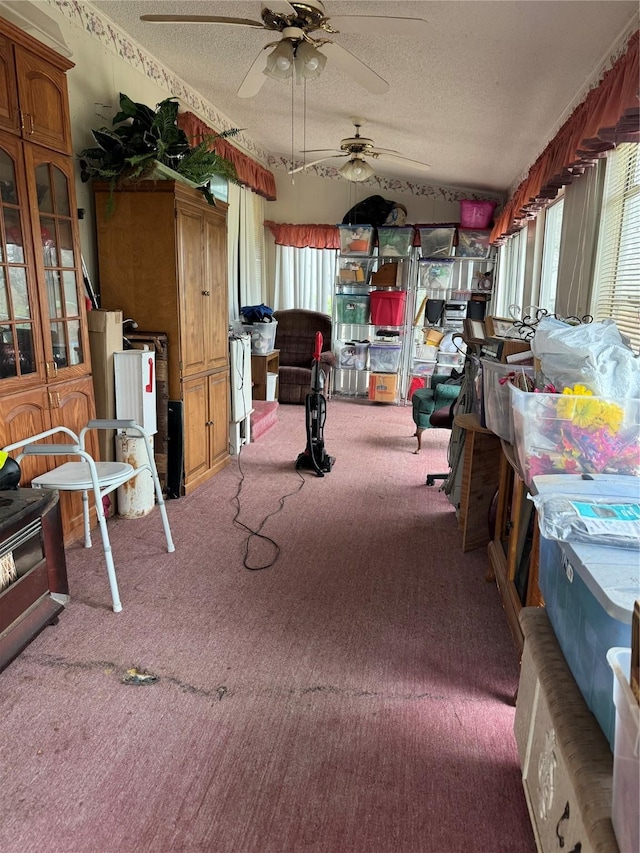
pixel 616 292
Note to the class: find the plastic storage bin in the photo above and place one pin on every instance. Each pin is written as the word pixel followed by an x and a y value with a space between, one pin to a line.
pixel 384 357
pixel 625 811
pixel 435 277
pixel 437 242
pixel 352 308
pixel 395 241
pixel 263 336
pixel 562 433
pixel 496 402
pixel 356 239
pixel 473 243
pixel 450 359
pixel 476 214
pixel 589 593
pixel 387 307
pixel 352 355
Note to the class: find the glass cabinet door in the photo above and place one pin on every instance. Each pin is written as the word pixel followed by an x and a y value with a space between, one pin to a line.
pixel 58 259
pixel 20 349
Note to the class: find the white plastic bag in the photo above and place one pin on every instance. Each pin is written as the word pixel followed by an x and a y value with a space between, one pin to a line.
pixel 592 354
pixel 598 521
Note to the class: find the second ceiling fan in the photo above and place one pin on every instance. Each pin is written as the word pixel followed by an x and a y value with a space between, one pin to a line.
pixel 356 148
pixel 300 54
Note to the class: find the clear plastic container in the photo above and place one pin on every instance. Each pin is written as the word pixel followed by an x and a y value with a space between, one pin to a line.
pixel 571 434
pixel 356 239
pixel 496 402
pixel 384 357
pixel 263 336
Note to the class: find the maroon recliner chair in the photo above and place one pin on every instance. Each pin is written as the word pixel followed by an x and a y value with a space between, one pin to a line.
pixel 295 338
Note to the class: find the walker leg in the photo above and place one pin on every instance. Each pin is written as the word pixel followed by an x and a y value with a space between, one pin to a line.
pixel 85 517
pixel 108 556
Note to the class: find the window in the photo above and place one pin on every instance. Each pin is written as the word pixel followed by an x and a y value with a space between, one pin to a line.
pixel 550 256
pixel 616 289
pixel 511 270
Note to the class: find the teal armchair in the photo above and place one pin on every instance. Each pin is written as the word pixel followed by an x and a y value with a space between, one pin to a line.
pixel 426 401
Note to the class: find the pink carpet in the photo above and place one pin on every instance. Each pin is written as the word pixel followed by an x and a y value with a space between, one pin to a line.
pixel 352 698
pixel 263 417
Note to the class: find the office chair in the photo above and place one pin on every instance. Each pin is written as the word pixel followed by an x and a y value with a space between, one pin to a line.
pixel 101 478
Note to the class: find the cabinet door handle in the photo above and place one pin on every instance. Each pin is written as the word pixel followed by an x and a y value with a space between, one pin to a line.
pixel 206 293
pixel 30 131
pixel 209 423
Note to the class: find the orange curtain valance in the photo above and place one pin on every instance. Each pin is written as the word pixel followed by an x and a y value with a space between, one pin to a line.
pixel 303 236
pixel 608 116
pixel 250 173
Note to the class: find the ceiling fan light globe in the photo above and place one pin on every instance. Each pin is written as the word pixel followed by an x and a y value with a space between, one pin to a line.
pixel 309 61
pixel 356 170
pixel 280 61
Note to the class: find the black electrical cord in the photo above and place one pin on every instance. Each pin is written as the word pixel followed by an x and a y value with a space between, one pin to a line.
pixel 257 532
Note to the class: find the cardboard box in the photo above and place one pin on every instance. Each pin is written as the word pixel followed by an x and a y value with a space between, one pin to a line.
pixel 105 338
pixel 383 387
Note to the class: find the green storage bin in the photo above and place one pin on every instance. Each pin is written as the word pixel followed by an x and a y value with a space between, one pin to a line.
pixel 353 308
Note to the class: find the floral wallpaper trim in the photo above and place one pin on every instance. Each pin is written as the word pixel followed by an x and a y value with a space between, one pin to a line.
pixel 87 18
pixel 380 183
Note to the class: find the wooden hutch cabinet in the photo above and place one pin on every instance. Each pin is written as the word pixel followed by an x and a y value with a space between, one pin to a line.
pixel 163 262
pixel 45 369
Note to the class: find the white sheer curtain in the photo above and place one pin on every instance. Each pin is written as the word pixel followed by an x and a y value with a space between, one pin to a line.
pixel 304 278
pixel 245 245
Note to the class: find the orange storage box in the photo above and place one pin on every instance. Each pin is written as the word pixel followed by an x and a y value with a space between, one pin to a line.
pixel 383 387
pixel 387 307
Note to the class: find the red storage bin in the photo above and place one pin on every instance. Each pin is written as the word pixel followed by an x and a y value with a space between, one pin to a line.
pixel 387 307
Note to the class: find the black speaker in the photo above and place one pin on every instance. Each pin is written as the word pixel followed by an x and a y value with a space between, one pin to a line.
pixel 175 455
pixel 433 311
pixel 476 309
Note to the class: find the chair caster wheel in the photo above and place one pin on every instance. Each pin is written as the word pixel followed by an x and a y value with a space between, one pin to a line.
pixel 430 480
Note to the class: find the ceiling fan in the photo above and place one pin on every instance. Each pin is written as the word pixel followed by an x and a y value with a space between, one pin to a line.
pixel 356 148
pixel 299 53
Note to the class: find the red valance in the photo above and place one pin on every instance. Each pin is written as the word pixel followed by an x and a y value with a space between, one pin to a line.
pixel 250 173
pixel 302 236
pixel 608 116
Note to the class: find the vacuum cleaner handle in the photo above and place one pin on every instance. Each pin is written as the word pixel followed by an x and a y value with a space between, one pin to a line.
pixel 318 349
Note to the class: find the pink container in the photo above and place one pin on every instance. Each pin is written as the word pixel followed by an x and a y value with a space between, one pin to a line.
pixel 476 214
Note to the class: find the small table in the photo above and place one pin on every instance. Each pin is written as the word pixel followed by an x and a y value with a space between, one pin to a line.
pixel 261 366
pixel 479 480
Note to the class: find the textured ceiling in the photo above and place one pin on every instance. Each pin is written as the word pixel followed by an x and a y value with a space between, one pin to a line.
pixel 477 98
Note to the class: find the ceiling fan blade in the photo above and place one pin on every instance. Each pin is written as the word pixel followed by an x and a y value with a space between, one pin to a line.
pixel 354 67
pixel 255 78
pixel 380 26
pixel 398 159
pixel 201 19
pixel 281 7
pixel 315 163
pixel 320 150
pixel 386 151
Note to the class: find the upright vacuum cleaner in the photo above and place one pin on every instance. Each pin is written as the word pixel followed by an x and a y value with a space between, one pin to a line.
pixel 314 456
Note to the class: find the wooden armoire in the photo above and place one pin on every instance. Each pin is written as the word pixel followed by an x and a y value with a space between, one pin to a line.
pixel 45 368
pixel 162 254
